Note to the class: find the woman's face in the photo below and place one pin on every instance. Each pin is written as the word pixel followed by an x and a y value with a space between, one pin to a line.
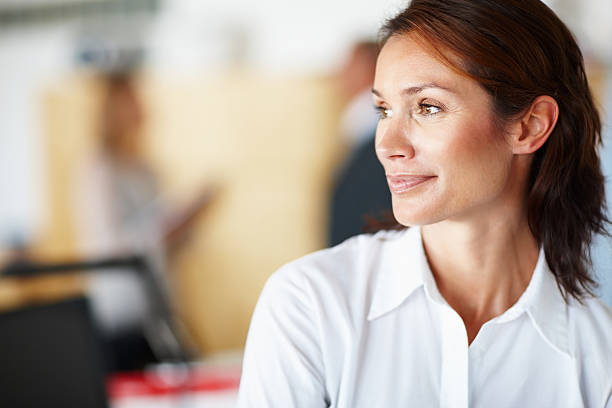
pixel 443 155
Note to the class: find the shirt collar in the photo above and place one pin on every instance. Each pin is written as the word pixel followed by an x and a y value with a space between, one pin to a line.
pixel 404 268
pixel 545 306
pixel 402 257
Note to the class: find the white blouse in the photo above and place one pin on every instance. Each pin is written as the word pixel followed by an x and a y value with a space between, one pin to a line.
pixel 363 325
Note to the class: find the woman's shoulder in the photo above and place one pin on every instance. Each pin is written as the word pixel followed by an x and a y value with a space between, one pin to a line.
pixel 356 255
pixel 592 318
pixel 591 322
pixel 333 274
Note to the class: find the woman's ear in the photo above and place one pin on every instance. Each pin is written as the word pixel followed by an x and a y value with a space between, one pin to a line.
pixel 532 130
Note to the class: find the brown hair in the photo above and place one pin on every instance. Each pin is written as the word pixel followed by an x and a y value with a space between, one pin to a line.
pixel 518 50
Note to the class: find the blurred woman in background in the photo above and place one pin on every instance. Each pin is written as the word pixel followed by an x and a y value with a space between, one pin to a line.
pixel 488 135
pixel 118 212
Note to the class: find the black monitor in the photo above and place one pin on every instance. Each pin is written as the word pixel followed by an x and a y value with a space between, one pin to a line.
pixel 51 357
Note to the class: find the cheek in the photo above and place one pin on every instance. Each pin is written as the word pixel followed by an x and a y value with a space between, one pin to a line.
pixel 475 163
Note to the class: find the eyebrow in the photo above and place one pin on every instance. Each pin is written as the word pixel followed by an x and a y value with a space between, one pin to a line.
pixel 413 90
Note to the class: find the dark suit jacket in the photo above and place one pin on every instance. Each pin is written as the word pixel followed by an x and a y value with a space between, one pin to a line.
pixel 360 192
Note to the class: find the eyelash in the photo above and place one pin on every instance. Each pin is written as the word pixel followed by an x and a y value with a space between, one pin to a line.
pixel 423 106
pixel 384 113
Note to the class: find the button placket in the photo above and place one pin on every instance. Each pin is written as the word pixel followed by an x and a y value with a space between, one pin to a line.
pixel 454 380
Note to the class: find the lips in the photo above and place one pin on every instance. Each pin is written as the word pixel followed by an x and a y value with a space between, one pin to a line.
pixel 402 183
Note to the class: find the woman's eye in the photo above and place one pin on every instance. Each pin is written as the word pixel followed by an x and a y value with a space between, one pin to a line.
pixel 429 110
pixel 383 112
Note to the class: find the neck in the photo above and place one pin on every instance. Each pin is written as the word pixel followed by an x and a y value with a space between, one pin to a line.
pixel 481 267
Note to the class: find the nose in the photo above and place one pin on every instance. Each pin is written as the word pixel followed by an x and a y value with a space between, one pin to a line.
pixel 393 143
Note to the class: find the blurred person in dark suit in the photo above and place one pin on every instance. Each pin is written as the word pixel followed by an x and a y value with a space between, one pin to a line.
pixel 361 171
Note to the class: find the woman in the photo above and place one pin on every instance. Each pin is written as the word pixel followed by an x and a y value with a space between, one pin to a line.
pixel 488 137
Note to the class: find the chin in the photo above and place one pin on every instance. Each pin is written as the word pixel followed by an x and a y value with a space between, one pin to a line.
pixel 412 216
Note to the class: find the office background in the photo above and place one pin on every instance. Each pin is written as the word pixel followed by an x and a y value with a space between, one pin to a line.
pixel 239 96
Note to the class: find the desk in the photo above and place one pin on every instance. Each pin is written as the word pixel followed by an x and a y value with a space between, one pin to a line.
pixel 18 292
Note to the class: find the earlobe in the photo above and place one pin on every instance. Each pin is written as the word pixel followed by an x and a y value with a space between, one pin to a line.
pixel 536 125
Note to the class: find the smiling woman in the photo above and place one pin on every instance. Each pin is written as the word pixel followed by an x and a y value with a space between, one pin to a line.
pixel 488 135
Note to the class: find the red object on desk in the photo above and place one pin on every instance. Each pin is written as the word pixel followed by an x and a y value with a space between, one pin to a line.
pixel 172 381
